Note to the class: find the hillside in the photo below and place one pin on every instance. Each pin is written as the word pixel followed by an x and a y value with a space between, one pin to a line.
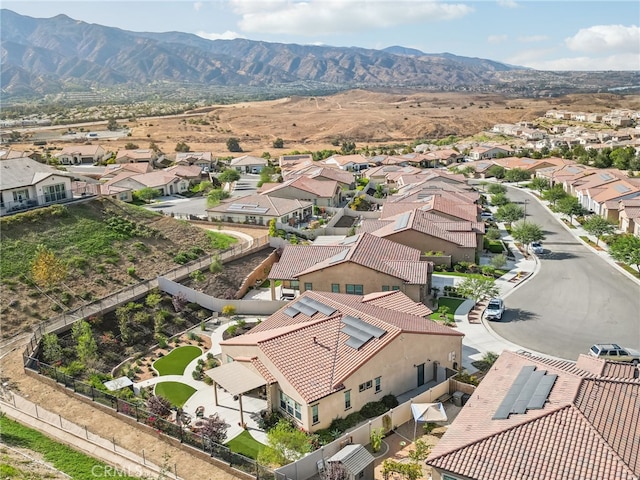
pixel 106 245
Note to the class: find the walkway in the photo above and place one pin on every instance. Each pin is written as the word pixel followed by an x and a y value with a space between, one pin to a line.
pixel 228 409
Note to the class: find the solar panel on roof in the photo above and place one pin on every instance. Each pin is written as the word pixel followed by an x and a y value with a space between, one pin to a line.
pixel 364 326
pixel 541 394
pixel 518 384
pixel 355 343
pixel 321 307
pixel 520 405
pixel 402 221
pixel 338 257
pixel 306 309
pixel 349 240
pixel 290 311
pixel 622 188
pixel 354 332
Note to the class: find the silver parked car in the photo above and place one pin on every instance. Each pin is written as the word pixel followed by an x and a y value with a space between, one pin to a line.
pixel 536 247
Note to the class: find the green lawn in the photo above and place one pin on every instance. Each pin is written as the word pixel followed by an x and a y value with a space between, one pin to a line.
pixel 221 241
pixel 177 393
pixel 452 303
pixel 246 445
pixel 176 361
pixel 73 463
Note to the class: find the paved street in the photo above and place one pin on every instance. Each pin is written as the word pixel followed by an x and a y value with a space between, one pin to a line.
pixel 575 299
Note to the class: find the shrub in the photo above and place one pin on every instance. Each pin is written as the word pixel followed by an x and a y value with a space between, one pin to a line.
pixel 268 420
pixel 373 409
pixel 389 401
pixel 228 310
pixel 131 271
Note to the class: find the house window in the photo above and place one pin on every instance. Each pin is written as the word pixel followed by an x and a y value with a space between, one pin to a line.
pixel 124 197
pixel 361 474
pixel 347 400
pixel 308 286
pixel 354 289
pixel 395 287
pixel 290 406
pixel 315 416
pixel 448 477
pixel 335 288
pixel 20 195
pixel 365 386
pixel 385 288
pixel 378 382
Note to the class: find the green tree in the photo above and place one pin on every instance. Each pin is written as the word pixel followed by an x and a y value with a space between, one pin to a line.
pixel 554 194
pixel 509 213
pixel 517 175
pixel 216 265
pixel 499 199
pixel 112 125
pixel 285 444
pixel 273 231
pixel 527 232
pixel 598 227
pixel 215 196
pixel 493 234
pixel 147 194
pixel 51 349
pixel 202 187
pixel 496 171
pixel 570 206
pixel 47 270
pixel 626 248
pixel 233 145
pixel 182 147
pixel 496 188
pixel 478 288
pixel 278 143
pixel 86 346
pixel 348 148
pixel 498 261
pixel 229 175
pixel 539 184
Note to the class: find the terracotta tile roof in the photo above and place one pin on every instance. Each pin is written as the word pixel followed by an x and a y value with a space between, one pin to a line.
pixel 247 160
pixel 396 300
pixel 260 367
pixel 276 206
pixel 80 150
pixel 324 173
pixel 193 171
pixel 297 258
pixel 311 353
pixel 346 159
pixel 615 190
pixel 131 167
pixel 319 188
pixel 589 428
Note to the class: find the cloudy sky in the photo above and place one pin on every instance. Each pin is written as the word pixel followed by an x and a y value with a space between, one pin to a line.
pixel 543 34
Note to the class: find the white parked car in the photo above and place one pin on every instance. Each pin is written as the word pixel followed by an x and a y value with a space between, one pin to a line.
pixel 536 247
pixel 494 310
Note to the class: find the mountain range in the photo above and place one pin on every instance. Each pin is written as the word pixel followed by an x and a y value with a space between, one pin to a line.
pixel 53 55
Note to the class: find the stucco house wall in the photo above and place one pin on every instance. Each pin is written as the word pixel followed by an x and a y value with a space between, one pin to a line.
pixel 426 243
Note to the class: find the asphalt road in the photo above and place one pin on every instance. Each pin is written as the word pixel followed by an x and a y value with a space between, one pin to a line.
pixel 575 300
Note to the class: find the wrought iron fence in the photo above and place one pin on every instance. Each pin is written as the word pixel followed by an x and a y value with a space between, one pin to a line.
pixel 141 415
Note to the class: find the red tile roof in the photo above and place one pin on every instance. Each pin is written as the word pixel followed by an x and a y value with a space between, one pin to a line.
pixel 311 353
pixel 589 428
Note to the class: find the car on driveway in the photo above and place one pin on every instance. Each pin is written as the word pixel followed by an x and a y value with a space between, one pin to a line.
pixel 486 216
pixel 536 247
pixel 494 310
pixel 614 352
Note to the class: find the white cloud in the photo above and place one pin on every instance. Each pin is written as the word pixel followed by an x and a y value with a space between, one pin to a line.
pixel 228 35
pixel 197 6
pixel 624 61
pixel 496 39
pixel 508 4
pixel 533 38
pixel 319 17
pixel 606 38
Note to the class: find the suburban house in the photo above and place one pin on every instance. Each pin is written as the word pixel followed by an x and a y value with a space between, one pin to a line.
pixel 629 215
pixel 389 174
pixel 260 209
pixel 325 355
pixel 483 152
pixel 201 159
pixel 13 153
pixel 114 169
pixel 166 183
pixel 360 264
pixel 249 164
pixel 541 418
pixel 345 179
pixel 353 163
pixel 124 194
pixel 188 172
pixel 452 206
pixel 425 231
pixel 81 155
pixel 286 162
pixel 25 183
pixel 564 173
pixel 322 193
pixel 136 156
pixel 530 165
pixel 588 187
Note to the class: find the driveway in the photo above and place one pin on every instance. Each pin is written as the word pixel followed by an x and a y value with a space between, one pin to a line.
pixel 575 299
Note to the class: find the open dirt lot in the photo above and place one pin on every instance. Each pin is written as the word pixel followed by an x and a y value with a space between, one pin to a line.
pixel 364 117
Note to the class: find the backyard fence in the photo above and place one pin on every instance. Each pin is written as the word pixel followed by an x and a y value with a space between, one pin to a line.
pixel 152 422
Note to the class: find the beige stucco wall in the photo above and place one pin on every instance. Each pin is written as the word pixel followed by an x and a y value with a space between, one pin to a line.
pixel 354 274
pixel 426 243
pixel 396 364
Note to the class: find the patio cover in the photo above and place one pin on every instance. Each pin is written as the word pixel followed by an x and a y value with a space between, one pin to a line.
pixel 427 412
pixel 235 378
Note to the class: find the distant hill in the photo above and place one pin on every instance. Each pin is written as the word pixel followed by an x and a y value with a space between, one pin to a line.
pixel 43 56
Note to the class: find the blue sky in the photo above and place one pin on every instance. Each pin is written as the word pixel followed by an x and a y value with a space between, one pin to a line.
pixel 544 34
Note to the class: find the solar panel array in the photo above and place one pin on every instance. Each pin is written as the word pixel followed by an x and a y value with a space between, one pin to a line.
pixel 338 257
pixel 247 208
pixel 402 221
pixel 359 331
pixel 309 307
pixel 529 391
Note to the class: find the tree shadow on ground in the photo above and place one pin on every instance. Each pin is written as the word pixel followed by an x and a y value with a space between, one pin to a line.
pixel 517 315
